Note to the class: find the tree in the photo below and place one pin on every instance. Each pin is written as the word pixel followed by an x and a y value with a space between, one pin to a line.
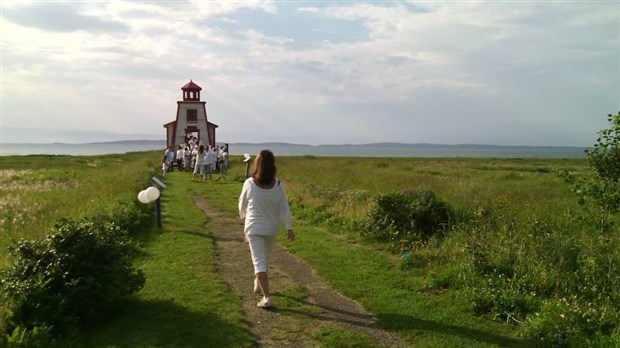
pixel 599 188
pixel 604 185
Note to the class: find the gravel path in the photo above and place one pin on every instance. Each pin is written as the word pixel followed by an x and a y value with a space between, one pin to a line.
pixel 289 323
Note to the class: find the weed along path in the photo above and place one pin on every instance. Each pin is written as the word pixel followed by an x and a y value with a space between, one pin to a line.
pixel 305 307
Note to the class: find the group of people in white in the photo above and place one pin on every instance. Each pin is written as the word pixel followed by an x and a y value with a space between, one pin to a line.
pixel 202 160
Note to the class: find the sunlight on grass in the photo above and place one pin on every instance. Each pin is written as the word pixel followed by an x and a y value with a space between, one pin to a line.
pixel 31 201
pixel 529 205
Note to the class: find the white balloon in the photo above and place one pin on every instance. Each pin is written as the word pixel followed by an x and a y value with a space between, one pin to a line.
pixel 142 197
pixel 152 193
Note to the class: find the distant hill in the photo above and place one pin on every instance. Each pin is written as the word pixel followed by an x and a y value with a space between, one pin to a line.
pixel 411 150
pixel 287 149
pixel 134 142
pixel 416 145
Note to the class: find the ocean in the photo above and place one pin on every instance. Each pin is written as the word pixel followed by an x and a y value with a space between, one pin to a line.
pixel 284 149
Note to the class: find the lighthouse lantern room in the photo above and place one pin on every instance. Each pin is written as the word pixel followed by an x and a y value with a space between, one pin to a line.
pixel 191 120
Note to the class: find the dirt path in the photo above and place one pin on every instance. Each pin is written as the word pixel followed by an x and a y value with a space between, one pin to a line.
pixel 289 323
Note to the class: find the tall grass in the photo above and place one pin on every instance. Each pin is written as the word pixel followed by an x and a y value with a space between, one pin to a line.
pixel 521 249
pixel 35 191
pixel 184 301
pixel 349 185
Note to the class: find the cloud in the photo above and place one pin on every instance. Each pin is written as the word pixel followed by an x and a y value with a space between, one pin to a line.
pixel 319 72
pixel 60 17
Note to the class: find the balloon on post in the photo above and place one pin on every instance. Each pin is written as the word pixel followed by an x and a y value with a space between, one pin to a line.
pixel 152 193
pixel 142 197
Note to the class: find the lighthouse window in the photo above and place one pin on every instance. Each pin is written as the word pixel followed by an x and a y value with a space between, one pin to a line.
pixel 192 115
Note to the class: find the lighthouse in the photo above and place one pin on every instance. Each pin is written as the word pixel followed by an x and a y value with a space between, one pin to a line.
pixel 191 119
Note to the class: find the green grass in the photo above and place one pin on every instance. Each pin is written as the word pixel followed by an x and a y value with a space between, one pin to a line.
pixel 372 277
pixel 375 279
pixel 184 303
pixel 35 191
pixel 465 183
pixel 525 195
pixel 340 338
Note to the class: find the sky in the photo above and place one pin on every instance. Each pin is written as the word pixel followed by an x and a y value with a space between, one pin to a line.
pixel 313 72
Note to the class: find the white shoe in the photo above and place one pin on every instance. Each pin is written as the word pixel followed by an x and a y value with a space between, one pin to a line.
pixel 264 303
pixel 256 287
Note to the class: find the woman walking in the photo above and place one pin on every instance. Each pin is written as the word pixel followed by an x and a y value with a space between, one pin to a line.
pixel 264 206
pixel 199 167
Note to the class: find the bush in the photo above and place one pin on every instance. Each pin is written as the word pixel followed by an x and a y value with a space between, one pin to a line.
pixel 76 276
pixel 604 160
pixel 581 323
pixel 38 336
pixel 512 278
pixel 404 219
pixel 131 217
pixel 502 297
pixel 559 279
pixel 599 190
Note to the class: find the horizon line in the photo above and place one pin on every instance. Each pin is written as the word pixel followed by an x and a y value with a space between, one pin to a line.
pixel 298 144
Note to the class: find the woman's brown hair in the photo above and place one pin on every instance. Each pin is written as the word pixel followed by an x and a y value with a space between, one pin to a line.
pixel 264 168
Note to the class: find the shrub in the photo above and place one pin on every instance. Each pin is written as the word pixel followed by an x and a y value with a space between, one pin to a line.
pixel 601 186
pixel 580 322
pixel 604 160
pixel 130 216
pixel 38 336
pixel 406 218
pixel 503 297
pixel 77 275
pixel 558 279
pixel 511 277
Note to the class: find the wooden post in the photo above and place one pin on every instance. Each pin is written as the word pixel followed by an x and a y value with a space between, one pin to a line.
pixel 158 212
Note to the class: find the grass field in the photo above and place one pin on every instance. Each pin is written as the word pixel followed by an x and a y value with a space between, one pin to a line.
pixel 530 205
pixel 35 191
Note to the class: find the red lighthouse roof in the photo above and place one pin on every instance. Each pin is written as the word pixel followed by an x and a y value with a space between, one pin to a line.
pixel 191 86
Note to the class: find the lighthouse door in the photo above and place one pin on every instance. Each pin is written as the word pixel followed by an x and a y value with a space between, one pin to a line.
pixel 191 133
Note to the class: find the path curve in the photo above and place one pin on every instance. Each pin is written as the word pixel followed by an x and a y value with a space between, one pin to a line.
pixel 284 325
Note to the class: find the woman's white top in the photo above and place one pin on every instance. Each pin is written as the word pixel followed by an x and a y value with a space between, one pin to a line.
pixel 264 209
pixel 200 158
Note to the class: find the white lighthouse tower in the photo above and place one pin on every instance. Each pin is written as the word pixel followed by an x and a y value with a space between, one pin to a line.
pixel 191 119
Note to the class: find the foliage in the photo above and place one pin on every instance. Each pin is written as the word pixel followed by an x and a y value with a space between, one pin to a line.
pixel 38 190
pixel 38 336
pixel 602 185
pixel 588 305
pixel 605 158
pixel 510 277
pixel 521 226
pixel 77 275
pixel 406 218
pixel 580 323
pixel 185 301
pixel 504 297
pixel 577 299
pixel 131 217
